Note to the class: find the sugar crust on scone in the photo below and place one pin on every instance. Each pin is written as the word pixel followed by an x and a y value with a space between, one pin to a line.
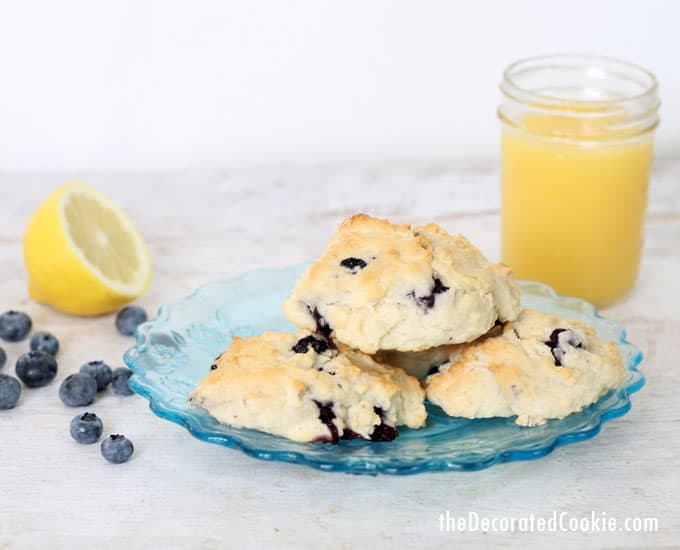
pixel 300 387
pixel 540 367
pixel 383 286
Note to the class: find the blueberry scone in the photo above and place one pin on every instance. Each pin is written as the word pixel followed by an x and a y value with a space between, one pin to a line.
pixel 301 387
pixel 380 286
pixel 539 367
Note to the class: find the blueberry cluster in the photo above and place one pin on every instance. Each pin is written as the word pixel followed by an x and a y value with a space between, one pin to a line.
pixel 80 389
pixel 87 428
pixel 38 368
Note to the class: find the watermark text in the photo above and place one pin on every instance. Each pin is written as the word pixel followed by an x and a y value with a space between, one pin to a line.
pixel 595 522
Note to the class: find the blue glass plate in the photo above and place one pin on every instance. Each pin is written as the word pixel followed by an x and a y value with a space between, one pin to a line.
pixel 174 350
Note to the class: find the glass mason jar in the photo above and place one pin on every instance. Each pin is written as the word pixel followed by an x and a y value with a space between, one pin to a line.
pixel 576 147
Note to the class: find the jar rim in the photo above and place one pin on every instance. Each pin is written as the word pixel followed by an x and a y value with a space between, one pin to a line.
pixel 600 63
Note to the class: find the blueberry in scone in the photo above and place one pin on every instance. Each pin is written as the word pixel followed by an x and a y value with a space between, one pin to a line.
pixel 538 367
pixel 559 341
pixel 300 386
pixel 319 345
pixel 353 264
pixel 381 286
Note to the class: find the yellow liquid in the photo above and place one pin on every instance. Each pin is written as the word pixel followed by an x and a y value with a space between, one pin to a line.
pixel 573 213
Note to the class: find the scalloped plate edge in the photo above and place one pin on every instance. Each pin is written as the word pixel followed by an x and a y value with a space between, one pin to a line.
pixel 430 465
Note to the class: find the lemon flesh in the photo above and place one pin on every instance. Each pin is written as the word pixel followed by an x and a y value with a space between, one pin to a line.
pixel 83 254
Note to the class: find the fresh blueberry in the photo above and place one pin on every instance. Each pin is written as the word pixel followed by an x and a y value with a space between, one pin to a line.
pixel 318 345
pixel 3 357
pixel 78 390
pixel 129 318
pixel 14 326
pixel 119 383
pixel 44 341
pixel 100 371
pixel 117 449
pixel 10 390
pixel 86 428
pixel 36 368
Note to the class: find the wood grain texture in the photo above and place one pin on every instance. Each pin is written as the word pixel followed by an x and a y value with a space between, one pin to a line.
pixel 178 492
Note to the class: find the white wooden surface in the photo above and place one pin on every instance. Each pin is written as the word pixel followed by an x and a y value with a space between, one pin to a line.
pixel 179 492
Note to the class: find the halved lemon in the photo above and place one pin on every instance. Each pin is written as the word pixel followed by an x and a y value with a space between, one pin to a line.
pixel 83 254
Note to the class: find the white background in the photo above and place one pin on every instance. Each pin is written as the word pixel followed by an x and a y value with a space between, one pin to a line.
pixel 143 85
